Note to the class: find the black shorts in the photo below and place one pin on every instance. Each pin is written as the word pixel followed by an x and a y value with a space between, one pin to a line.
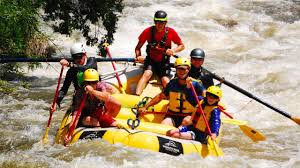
pixel 198 135
pixel 159 68
pixel 177 120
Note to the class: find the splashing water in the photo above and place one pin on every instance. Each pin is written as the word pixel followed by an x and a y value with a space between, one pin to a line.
pixel 253 44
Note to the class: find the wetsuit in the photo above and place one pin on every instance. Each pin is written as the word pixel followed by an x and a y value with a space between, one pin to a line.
pixel 201 74
pixel 71 77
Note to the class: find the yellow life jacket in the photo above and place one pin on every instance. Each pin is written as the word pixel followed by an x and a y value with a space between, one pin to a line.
pixel 179 104
pixel 197 119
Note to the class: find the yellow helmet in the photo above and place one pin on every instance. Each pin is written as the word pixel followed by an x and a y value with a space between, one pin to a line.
pixel 90 75
pixel 181 61
pixel 215 90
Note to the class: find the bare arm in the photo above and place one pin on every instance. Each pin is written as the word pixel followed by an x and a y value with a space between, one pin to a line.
pixel 175 50
pixel 179 48
pixel 138 49
pixel 112 105
pixel 98 94
pixel 138 52
pixel 155 100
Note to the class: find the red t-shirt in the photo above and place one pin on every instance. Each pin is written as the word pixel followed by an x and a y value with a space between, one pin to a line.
pixel 155 53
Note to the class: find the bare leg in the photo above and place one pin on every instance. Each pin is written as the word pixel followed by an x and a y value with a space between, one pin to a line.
pixel 173 133
pixel 182 135
pixel 168 121
pixel 165 80
pixel 114 124
pixel 186 121
pixel 143 81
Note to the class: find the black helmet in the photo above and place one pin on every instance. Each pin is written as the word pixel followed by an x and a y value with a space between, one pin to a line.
pixel 160 16
pixel 197 53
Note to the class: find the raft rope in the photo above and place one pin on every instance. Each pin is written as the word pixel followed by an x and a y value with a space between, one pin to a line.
pixel 135 123
pixel 143 102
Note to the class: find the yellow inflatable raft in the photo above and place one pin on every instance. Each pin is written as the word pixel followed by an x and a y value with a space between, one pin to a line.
pixel 148 135
pixel 144 140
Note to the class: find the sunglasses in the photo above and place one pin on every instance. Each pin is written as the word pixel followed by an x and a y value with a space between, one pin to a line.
pixel 77 56
pixel 91 82
pixel 212 95
pixel 161 22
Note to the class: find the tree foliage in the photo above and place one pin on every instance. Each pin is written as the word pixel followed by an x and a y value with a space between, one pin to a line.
pixel 72 15
pixel 18 25
pixel 19 29
pixel 20 33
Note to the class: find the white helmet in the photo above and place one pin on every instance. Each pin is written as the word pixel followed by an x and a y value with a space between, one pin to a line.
pixel 77 48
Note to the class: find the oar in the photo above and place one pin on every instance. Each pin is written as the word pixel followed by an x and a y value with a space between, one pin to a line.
pixel 295 119
pixel 214 144
pixel 113 64
pixel 45 137
pixel 70 131
pixel 247 130
pixel 12 59
pixel 224 120
pixel 233 121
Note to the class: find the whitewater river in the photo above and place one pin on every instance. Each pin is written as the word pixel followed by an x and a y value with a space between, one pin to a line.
pixel 254 44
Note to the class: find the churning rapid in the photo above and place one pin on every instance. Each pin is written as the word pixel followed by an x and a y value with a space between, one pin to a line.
pixel 253 44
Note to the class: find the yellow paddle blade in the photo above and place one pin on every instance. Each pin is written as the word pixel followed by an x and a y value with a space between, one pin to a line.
pixel 214 148
pixel 296 120
pixel 45 137
pixel 233 121
pixel 252 133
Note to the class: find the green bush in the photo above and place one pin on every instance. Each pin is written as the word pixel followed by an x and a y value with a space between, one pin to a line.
pixel 18 25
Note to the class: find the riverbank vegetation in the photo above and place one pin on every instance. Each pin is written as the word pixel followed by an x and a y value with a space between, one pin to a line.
pixel 21 34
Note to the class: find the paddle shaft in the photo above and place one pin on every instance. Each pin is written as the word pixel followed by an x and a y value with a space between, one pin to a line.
pixel 113 64
pixel 249 95
pixel 70 132
pixel 45 137
pixel 56 94
pixel 227 114
pixel 12 59
pixel 201 111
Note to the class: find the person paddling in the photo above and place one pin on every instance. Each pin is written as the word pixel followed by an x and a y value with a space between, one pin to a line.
pixel 99 105
pixel 181 102
pixel 197 72
pixel 80 64
pixel 195 128
pixel 159 50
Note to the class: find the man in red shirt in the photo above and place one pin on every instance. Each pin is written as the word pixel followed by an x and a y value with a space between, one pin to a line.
pixel 159 38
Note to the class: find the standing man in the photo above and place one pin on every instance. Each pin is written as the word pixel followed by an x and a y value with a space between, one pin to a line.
pixel 180 95
pixel 197 72
pixel 80 64
pixel 159 50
